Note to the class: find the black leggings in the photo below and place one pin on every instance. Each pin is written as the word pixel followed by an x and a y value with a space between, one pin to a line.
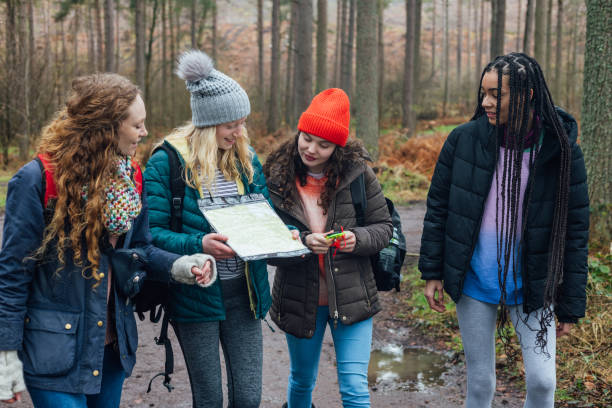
pixel 241 339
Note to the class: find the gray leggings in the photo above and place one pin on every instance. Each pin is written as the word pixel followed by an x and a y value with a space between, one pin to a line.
pixel 477 322
pixel 241 339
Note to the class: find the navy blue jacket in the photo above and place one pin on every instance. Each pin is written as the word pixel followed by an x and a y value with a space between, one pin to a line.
pixel 57 319
pixel 455 204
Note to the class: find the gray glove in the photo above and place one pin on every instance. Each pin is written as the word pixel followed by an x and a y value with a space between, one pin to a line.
pixel 11 374
pixel 181 269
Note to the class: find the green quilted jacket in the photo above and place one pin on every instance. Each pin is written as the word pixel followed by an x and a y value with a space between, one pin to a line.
pixel 192 303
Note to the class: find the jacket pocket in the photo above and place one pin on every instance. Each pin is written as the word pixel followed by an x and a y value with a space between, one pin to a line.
pixel 49 342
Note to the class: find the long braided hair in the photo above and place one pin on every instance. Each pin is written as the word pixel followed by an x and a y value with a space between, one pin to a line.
pixel 530 102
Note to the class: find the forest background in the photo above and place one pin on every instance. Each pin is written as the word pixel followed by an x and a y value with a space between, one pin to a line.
pixel 410 67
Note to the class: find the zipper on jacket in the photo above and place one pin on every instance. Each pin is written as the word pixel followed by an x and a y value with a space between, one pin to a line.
pixel 250 290
pixel 333 288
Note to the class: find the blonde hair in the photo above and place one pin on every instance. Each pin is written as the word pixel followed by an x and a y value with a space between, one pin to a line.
pixel 201 162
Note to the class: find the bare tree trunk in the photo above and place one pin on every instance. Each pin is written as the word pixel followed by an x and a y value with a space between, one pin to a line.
pixel 433 38
pixel 573 106
pixel 34 79
pixel 139 49
pixel 109 41
pixel 214 31
pixel 596 116
pixel 559 51
pixel 149 55
pixel 290 82
pixel 381 58
pixel 338 49
pixel 408 83
pixel 64 73
pixel 459 38
pixel 351 47
pixel 321 82
pixel 24 88
pixel 468 43
pixel 347 60
pixel 193 15
pixel 164 59
pixel 201 24
pixel 99 32
pixel 260 52
pixel 418 8
pixel 547 67
pixel 538 36
pixel 366 107
pixel 91 44
pixel 528 27
pixel 498 24
pixel 75 40
pixel 274 111
pixel 117 35
pixel 173 39
pixel 446 55
pixel 480 42
pixel 11 48
pixel 518 27
pixel 343 63
pixel 303 66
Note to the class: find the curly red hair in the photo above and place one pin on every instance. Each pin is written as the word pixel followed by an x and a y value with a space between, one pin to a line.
pixel 81 143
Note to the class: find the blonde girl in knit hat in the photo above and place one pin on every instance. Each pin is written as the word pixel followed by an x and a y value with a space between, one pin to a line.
pixel 216 161
pixel 66 327
pixel 308 179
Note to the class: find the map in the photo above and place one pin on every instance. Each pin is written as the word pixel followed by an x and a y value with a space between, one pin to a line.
pixel 253 229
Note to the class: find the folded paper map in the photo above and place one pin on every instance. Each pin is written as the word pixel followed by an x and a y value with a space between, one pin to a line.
pixel 253 229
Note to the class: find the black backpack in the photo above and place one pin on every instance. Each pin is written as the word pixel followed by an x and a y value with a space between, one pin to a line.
pixel 154 295
pixel 386 264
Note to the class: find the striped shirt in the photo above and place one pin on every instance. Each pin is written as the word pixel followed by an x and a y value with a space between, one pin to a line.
pixel 233 267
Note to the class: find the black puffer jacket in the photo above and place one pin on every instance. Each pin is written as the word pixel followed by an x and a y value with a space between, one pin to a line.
pixel 455 205
pixel 351 286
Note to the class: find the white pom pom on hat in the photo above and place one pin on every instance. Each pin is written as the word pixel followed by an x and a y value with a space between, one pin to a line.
pixel 194 65
pixel 215 97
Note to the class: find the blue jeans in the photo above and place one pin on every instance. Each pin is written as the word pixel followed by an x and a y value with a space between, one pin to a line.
pixel 352 344
pixel 110 390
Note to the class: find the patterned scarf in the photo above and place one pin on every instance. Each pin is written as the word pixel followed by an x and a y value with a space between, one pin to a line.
pixel 122 201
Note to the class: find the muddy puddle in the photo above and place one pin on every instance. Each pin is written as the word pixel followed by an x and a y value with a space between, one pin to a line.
pixel 414 369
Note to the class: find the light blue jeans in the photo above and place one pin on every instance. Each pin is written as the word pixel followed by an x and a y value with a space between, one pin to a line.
pixel 110 390
pixel 352 344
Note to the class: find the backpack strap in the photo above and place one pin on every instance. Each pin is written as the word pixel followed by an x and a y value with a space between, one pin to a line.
pixel 169 365
pixel 137 174
pixel 49 190
pixel 177 187
pixel 359 198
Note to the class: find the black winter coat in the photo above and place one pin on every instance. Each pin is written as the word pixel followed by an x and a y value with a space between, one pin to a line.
pixel 455 206
pixel 350 281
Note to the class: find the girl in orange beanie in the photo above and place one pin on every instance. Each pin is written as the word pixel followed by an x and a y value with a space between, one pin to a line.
pixel 309 181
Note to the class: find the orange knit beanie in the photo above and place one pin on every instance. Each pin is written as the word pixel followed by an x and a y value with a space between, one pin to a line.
pixel 328 116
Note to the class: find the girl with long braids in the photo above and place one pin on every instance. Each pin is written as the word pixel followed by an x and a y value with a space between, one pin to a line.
pixel 506 228
pixel 65 326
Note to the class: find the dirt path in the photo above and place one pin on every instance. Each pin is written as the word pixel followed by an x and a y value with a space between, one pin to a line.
pixel 276 362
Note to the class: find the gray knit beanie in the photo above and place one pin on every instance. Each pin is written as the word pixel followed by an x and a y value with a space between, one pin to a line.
pixel 215 97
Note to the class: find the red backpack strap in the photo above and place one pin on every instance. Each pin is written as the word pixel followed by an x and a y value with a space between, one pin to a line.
pixel 50 190
pixel 137 176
